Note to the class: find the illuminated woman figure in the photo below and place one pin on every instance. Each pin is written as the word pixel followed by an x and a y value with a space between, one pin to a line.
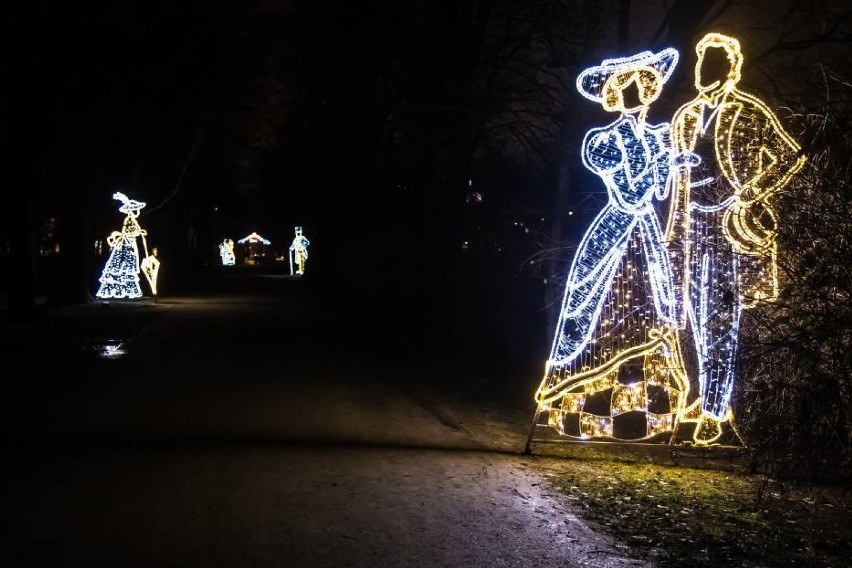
pixel 299 249
pixel 613 370
pixel 226 252
pixel 120 277
pixel 722 220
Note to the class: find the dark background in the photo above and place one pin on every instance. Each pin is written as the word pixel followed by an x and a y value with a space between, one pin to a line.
pixel 360 121
pixel 428 148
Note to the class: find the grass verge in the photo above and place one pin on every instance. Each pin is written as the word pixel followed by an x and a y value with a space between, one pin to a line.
pixel 685 516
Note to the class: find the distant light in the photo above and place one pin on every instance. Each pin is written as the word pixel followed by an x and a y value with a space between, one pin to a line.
pixel 299 249
pixel 112 351
pixel 254 238
pixel 226 252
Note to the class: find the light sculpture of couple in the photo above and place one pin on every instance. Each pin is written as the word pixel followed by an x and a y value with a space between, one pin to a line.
pixel 226 252
pixel 649 314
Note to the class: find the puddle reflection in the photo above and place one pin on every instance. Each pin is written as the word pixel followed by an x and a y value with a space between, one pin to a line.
pixel 109 349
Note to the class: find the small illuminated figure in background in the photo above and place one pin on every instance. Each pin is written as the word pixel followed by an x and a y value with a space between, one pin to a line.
pixel 299 249
pixel 721 225
pixel 226 251
pixel 614 370
pixel 120 276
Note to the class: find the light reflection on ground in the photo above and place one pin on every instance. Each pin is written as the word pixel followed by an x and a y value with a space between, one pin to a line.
pixel 108 349
pixel 112 351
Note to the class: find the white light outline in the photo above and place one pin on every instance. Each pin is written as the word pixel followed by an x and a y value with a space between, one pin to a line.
pixel 254 238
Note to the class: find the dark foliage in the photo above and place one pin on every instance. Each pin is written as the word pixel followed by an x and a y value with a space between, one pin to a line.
pixel 687 516
pixel 796 399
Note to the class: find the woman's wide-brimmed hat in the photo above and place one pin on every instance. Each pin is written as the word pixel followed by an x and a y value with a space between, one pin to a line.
pixel 590 82
pixel 129 205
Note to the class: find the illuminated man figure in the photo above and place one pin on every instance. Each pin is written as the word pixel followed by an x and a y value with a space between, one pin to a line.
pixel 613 370
pixel 721 225
pixel 299 249
pixel 226 251
pixel 120 277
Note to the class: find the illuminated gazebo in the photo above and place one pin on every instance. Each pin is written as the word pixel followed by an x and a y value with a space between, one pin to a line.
pixel 256 249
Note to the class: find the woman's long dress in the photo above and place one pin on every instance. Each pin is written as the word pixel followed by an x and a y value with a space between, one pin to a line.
pixel 613 370
pixel 120 277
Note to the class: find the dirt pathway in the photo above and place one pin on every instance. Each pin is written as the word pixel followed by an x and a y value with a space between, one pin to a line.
pixel 208 446
pixel 307 506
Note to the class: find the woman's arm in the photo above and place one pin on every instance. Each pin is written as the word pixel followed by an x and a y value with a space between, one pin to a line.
pixel 603 150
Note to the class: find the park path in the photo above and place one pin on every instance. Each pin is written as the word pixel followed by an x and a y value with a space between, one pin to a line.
pixel 262 429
